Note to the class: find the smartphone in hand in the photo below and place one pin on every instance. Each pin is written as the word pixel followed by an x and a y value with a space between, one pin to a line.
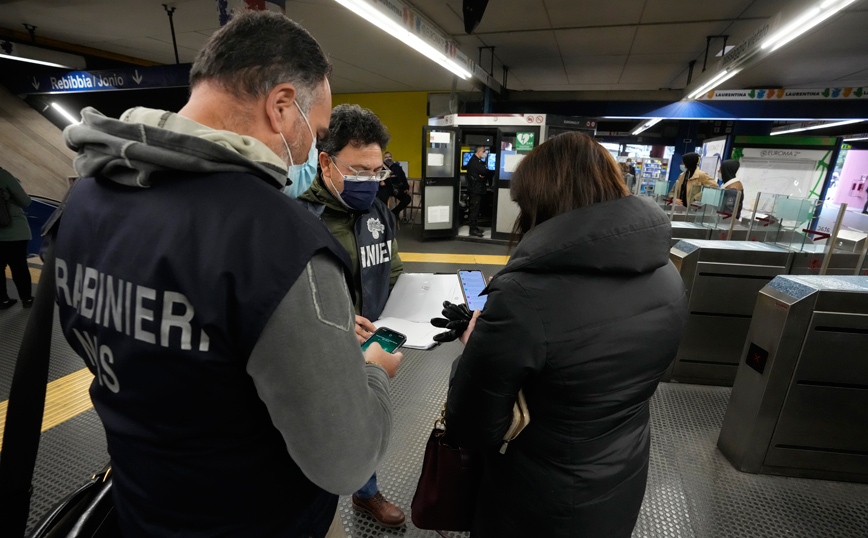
pixel 472 284
pixel 388 339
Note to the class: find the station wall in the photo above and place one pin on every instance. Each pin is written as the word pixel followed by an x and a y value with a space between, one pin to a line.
pixel 404 114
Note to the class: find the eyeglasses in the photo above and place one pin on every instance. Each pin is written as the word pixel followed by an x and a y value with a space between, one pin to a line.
pixel 361 175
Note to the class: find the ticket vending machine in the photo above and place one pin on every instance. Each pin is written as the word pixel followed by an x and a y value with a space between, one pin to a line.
pixel 440 185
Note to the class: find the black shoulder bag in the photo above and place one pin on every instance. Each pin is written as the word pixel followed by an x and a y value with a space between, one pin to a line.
pixel 86 512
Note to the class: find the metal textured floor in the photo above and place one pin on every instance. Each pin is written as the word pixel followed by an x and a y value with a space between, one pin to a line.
pixel 692 490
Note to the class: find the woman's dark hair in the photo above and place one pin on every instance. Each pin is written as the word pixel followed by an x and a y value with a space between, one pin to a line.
pixel 259 50
pixel 565 173
pixel 356 126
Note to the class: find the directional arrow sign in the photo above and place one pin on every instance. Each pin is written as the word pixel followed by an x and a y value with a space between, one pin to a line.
pixel 62 81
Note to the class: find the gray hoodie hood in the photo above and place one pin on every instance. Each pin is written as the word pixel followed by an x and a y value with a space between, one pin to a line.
pixel 146 141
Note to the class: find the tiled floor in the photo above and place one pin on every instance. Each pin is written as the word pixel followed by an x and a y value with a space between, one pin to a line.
pixel 692 489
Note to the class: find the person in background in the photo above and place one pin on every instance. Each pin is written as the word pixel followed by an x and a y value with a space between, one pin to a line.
pixel 234 395
pixel 629 179
pixel 395 185
pixel 591 260
pixel 689 183
pixel 345 196
pixel 13 241
pixel 477 181
pixel 728 171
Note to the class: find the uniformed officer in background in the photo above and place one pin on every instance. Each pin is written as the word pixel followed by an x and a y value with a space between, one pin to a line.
pixel 478 175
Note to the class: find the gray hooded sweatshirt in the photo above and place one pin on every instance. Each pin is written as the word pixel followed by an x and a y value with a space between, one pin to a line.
pixel 333 410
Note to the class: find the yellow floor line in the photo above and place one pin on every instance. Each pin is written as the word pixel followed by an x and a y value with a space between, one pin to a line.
pixel 64 398
pixel 34 274
pixel 431 257
pixel 68 396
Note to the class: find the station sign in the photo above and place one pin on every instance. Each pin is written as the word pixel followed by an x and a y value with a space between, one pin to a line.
pixel 133 78
pixel 781 94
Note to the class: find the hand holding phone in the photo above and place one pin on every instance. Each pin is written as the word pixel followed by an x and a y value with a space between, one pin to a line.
pixel 380 349
pixel 388 361
pixel 472 284
pixel 388 339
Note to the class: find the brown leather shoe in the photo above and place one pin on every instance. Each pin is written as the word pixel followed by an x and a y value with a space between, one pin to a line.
pixel 386 513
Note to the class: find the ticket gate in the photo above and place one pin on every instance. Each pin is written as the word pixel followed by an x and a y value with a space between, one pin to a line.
pixel 799 404
pixel 687 230
pixel 722 279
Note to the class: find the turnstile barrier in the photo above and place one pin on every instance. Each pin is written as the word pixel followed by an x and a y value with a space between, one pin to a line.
pixel 799 404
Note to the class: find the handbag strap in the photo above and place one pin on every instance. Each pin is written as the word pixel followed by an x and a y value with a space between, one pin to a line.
pixel 27 398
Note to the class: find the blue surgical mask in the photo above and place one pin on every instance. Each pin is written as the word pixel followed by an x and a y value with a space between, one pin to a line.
pixel 301 175
pixel 359 195
pixel 683 168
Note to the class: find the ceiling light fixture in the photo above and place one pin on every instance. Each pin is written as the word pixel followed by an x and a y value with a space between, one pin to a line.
pixel 64 113
pixel 858 137
pixel 32 61
pixel 805 22
pixel 381 21
pixel 721 77
pixel 811 127
pixel 647 125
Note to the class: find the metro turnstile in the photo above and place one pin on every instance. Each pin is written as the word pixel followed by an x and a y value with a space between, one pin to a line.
pixel 722 280
pixel 687 230
pixel 799 405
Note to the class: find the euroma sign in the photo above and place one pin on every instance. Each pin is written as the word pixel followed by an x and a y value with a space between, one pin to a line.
pixel 778 94
pixel 136 78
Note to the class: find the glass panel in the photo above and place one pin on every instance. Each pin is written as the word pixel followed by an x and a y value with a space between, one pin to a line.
pixel 510 155
pixel 440 154
pixel 791 223
pixel 759 223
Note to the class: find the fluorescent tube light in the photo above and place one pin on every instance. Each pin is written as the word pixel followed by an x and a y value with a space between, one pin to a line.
pixel 64 113
pixel 32 61
pixel 811 127
pixel 805 22
pixel 378 19
pixel 855 139
pixel 713 83
pixel 647 125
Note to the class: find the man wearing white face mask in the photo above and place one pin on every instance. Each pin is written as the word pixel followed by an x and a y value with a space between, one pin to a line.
pixel 220 308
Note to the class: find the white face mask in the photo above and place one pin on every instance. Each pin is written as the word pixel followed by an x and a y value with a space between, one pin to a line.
pixel 683 168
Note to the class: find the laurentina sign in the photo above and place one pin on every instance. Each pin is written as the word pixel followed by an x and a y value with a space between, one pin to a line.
pixel 140 78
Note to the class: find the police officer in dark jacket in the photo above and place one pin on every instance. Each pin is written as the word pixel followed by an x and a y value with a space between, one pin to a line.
pixel 395 185
pixel 585 318
pixel 214 310
pixel 478 175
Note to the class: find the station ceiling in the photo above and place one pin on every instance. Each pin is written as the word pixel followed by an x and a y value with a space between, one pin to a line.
pixel 548 45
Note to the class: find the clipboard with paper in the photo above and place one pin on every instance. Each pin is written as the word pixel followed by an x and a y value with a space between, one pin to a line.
pixel 415 299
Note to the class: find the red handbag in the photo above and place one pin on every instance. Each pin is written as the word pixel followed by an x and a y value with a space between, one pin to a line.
pixel 445 497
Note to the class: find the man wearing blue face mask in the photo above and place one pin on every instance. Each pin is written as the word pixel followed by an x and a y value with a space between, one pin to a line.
pixel 344 195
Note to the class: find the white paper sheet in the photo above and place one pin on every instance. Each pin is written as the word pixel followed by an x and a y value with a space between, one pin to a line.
pixel 438 214
pixel 510 162
pixel 415 299
pixel 435 159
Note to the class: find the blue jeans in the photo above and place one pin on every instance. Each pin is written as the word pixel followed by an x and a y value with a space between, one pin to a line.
pixel 369 489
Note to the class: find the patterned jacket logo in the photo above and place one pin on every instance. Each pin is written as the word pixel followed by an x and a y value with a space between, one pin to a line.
pixel 375 227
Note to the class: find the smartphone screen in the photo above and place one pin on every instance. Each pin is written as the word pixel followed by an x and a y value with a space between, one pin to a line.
pixel 388 339
pixel 472 284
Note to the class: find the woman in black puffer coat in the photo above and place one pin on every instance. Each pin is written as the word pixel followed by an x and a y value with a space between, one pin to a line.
pixel 585 317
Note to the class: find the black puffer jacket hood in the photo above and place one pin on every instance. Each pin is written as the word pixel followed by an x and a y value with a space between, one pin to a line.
pixel 627 236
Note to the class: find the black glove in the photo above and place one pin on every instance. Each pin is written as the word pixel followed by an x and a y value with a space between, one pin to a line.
pixel 456 318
